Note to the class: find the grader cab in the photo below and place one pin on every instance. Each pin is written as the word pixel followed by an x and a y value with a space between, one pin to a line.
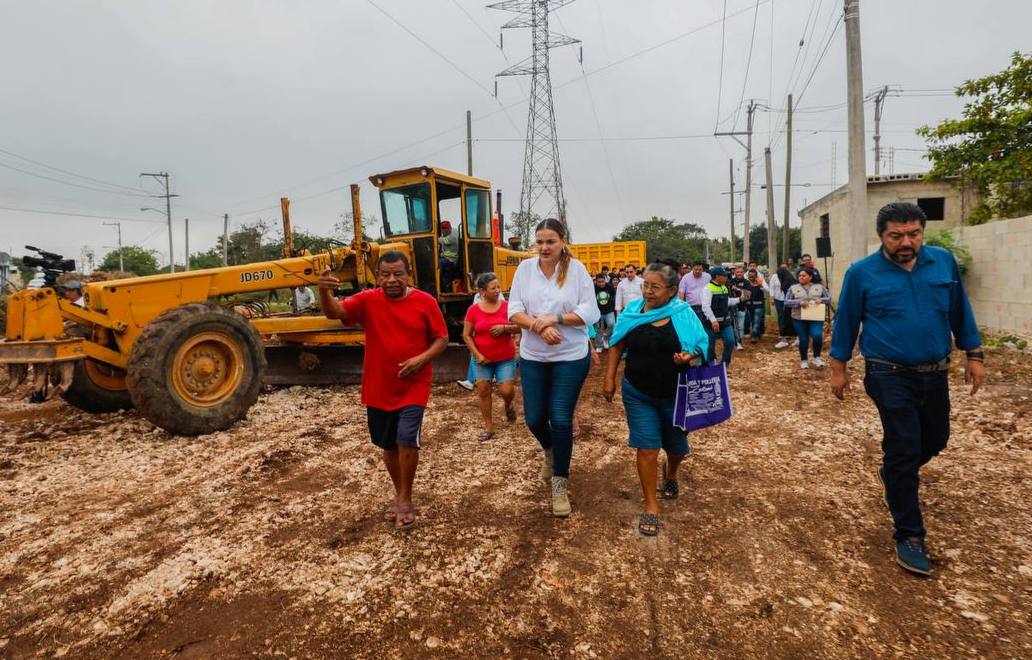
pixel 179 349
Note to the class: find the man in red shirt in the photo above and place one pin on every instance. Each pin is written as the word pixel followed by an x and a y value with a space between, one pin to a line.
pixel 404 331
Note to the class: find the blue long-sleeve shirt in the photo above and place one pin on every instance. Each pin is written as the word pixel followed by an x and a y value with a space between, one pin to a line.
pixel 907 316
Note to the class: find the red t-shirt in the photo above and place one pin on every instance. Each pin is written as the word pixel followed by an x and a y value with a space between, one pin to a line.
pixel 396 330
pixel 495 349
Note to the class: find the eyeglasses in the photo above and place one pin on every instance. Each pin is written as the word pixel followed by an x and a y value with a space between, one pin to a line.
pixel 653 287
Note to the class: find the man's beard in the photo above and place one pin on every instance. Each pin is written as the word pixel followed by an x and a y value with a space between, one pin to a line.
pixel 903 255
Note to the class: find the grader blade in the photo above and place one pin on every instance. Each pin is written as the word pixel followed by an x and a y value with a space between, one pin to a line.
pixel 12 377
pixel 292 364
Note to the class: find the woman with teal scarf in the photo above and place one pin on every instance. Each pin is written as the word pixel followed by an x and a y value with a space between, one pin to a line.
pixel 659 335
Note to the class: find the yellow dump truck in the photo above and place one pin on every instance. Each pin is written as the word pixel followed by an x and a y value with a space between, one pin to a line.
pixel 616 255
pixel 177 349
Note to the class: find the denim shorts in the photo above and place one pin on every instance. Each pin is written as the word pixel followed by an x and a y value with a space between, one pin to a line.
pixel 500 372
pixel 651 422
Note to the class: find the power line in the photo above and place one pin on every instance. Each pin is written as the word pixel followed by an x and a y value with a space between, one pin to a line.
pixel 720 82
pixel 79 215
pixel 462 126
pixel 431 48
pixel 69 183
pixel 748 64
pixel 70 173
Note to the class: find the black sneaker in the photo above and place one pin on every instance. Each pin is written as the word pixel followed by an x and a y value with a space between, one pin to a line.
pixel 911 555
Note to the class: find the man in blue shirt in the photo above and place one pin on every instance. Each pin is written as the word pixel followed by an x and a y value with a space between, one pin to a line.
pixel 909 299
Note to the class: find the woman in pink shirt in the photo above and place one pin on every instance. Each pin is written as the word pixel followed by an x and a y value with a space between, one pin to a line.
pixel 488 334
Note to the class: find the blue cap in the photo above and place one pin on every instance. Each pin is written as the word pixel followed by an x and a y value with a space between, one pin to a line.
pixel 717 272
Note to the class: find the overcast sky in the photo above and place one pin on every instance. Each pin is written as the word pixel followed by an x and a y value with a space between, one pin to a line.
pixel 246 101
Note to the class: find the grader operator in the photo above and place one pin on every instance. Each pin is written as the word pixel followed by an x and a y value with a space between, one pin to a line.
pixel 176 348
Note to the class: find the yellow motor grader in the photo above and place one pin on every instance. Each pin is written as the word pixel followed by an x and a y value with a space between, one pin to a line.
pixel 179 349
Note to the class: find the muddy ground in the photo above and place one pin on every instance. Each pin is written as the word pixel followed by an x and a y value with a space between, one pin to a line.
pixel 117 540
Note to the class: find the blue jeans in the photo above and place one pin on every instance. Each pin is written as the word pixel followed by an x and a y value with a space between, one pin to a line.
pixel 758 314
pixel 604 328
pixel 807 330
pixel 651 421
pixel 739 318
pixel 915 415
pixel 727 333
pixel 550 391
pixel 779 307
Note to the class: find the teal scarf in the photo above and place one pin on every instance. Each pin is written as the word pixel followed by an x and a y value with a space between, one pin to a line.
pixel 686 323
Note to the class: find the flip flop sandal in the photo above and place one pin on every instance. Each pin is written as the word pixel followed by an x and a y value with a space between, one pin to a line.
pixel 648 524
pixel 390 514
pixel 670 489
pixel 485 436
pixel 510 412
pixel 406 519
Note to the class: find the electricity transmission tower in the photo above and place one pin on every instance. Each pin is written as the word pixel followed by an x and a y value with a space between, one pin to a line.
pixel 542 176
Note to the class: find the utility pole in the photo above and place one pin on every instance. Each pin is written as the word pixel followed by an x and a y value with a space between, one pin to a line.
pixel 748 182
pixel 731 173
pixel 542 174
pixel 879 100
pixel 225 239
pixel 121 260
pixel 748 176
pixel 788 183
pixel 858 222
pixel 469 143
pixel 772 232
pixel 186 221
pixel 163 176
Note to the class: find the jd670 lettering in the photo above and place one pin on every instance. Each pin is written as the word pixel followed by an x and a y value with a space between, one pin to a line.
pixel 256 276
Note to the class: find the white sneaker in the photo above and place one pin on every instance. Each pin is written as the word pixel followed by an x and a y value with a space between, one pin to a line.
pixel 465 384
pixel 795 344
pixel 781 344
pixel 819 363
pixel 804 365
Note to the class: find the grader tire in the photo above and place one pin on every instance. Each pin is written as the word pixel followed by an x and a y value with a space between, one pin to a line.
pixel 196 369
pixel 96 387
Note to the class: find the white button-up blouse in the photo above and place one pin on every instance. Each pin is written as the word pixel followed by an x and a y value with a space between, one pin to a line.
pixel 537 295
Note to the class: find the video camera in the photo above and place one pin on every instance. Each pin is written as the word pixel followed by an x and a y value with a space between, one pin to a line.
pixel 53 264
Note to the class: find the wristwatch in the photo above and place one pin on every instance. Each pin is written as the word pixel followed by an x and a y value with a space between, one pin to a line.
pixel 559 319
pixel 976 355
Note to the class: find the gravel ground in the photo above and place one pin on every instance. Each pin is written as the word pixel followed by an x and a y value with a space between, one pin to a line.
pixel 118 540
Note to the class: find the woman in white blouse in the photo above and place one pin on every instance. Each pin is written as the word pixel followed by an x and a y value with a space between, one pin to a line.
pixel 553 300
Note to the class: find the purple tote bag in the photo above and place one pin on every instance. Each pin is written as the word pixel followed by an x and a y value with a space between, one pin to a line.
pixel 703 398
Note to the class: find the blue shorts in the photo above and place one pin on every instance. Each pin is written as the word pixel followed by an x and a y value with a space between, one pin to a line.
pixel 500 372
pixel 651 422
pixel 390 428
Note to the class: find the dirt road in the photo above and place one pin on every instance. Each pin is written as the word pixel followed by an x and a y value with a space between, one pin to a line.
pixel 117 540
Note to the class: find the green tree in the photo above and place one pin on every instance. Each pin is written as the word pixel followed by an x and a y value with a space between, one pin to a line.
pixel 991 146
pixel 666 239
pixel 758 244
pixel 137 260
pixel 520 224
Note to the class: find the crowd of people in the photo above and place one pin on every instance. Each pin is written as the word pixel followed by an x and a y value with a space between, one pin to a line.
pixel 671 315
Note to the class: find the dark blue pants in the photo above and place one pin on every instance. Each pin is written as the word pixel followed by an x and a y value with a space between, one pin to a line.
pixel 550 391
pixel 727 333
pixel 915 416
pixel 807 330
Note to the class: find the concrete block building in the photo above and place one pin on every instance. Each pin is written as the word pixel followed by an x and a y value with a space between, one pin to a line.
pixel 946 203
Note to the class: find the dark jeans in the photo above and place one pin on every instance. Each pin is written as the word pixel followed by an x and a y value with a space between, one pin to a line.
pixel 758 314
pixel 550 391
pixel 915 416
pixel 807 330
pixel 727 333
